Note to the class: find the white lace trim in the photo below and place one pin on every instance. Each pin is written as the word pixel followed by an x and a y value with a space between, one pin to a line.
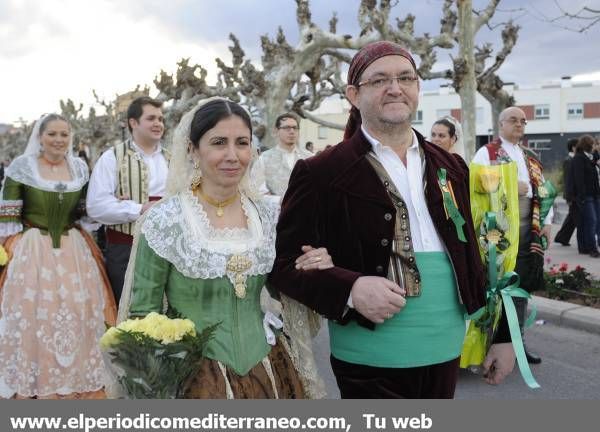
pixel 24 169
pixel 222 239
pixel 12 209
pixel 10 228
pixel 178 230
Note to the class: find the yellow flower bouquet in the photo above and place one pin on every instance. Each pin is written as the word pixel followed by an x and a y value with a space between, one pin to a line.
pixel 153 357
pixel 495 211
pixel 3 256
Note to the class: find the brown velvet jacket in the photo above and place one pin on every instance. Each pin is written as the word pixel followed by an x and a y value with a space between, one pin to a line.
pixel 336 200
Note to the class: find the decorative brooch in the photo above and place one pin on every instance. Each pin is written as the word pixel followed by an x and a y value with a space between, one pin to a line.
pixel 237 266
pixel 60 188
pixel 450 205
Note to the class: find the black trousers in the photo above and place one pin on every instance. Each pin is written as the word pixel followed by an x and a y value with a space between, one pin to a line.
pixel 356 381
pixel 568 227
pixel 116 257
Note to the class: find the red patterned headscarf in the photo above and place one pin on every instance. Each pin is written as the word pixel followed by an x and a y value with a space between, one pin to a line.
pixel 362 59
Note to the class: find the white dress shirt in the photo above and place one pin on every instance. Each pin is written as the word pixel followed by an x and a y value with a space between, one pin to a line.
pixel 516 154
pixel 102 202
pixel 290 158
pixel 409 182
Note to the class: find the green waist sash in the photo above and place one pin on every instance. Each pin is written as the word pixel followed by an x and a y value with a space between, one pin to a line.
pixel 430 328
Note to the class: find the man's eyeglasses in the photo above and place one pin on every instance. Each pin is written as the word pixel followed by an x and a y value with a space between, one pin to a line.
pixel 514 120
pixel 404 81
pixel 288 128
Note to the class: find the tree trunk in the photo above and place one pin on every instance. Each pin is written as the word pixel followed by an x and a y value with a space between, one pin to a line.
pixel 468 85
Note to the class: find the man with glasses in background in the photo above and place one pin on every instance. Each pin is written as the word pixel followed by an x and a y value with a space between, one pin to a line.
pixel 530 259
pixel 392 209
pixel 274 166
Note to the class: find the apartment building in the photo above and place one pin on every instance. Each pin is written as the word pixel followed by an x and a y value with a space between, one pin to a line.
pixel 556 112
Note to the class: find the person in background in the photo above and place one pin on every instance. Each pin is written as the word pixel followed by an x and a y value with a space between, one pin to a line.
pixel 56 297
pixel 310 146
pixel 586 193
pixel 126 181
pixel 446 133
pixel 530 258
pixel 272 170
pixel 563 236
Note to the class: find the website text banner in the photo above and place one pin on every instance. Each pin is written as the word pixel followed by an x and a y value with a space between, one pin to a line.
pixel 309 416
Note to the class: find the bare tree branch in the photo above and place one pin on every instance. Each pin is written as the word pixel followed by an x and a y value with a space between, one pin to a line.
pixel 319 121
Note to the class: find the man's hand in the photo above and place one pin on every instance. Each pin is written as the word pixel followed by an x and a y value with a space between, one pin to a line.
pixel 523 188
pixel 377 298
pixel 546 231
pixel 146 206
pixel 314 259
pixel 498 363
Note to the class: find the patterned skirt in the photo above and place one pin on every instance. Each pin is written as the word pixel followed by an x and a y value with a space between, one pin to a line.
pixel 54 303
pixel 273 378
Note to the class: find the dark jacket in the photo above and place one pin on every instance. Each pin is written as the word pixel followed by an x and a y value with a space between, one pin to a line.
pixel 568 192
pixel 584 177
pixel 336 200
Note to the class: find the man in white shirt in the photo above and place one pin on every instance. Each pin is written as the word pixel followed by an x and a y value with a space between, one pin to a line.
pixel 273 168
pixel 508 148
pixel 126 181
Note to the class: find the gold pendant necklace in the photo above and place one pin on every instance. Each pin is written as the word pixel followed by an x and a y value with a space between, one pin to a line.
pixel 219 205
pixel 53 165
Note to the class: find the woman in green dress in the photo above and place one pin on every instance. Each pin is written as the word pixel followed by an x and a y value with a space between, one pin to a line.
pixel 207 248
pixel 55 294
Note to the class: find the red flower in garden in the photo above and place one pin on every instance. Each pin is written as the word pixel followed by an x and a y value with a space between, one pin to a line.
pixel 563 267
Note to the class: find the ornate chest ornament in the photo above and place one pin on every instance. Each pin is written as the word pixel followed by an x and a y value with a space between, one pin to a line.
pixel 237 266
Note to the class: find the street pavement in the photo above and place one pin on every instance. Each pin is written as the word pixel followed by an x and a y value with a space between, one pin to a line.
pixel 570 368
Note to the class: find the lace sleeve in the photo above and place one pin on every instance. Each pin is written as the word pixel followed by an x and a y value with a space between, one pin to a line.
pixel 11 207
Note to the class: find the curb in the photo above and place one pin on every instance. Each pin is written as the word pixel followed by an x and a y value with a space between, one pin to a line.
pixel 568 315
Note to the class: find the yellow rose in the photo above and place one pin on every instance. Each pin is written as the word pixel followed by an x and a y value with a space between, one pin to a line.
pixel 3 256
pixel 108 339
pixel 488 179
pixel 494 236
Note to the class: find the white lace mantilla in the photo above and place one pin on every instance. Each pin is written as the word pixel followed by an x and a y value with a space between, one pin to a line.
pixel 178 230
pixel 24 169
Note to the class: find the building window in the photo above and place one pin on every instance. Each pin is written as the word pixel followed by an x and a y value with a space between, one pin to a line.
pixel 322 132
pixel 418 117
pixel 574 111
pixel 541 112
pixel 443 113
pixel 539 146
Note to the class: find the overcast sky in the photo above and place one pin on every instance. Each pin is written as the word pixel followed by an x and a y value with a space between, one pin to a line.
pixel 59 49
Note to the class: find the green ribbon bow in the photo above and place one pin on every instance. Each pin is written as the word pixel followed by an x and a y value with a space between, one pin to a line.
pixel 502 292
pixel 451 209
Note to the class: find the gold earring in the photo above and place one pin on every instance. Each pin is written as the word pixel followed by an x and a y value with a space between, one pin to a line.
pixel 197 177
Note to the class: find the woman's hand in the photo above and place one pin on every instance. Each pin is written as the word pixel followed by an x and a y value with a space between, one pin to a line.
pixel 314 259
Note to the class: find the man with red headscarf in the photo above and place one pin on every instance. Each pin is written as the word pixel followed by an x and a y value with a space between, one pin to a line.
pixel 392 210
